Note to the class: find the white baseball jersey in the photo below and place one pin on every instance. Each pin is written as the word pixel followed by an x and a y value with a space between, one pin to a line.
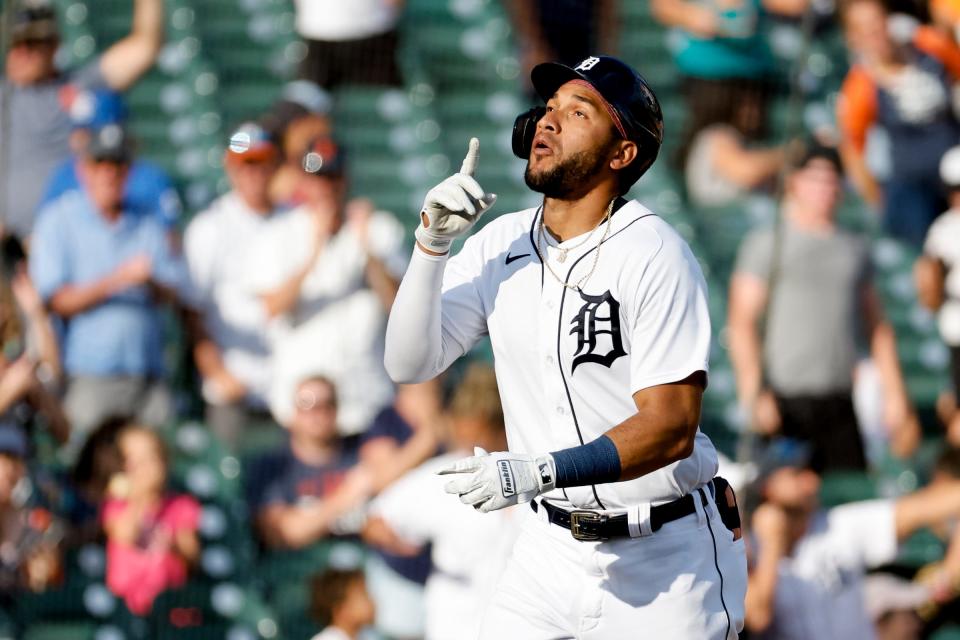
pixel 568 361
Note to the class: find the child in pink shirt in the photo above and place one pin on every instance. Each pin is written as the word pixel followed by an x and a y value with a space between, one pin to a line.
pixel 151 535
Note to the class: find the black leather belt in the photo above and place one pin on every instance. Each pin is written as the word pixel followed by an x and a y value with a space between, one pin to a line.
pixel 592 526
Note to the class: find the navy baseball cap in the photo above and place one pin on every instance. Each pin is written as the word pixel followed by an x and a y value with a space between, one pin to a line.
pixel 34 24
pixel 96 109
pixel 628 98
pixel 110 144
pixel 13 440
pixel 324 157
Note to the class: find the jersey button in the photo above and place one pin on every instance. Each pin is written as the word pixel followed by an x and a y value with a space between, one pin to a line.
pixel 550 304
pixel 561 411
pixel 550 360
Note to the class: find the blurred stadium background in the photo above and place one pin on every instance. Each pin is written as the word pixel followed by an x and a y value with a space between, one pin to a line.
pixel 226 61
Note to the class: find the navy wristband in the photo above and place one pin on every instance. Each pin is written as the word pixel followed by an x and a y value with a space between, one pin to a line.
pixel 596 462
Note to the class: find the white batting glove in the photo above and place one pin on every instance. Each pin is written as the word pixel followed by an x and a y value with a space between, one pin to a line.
pixel 491 481
pixel 452 207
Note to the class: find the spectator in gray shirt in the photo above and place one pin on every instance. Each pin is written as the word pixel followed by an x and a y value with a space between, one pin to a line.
pixel 38 127
pixel 795 378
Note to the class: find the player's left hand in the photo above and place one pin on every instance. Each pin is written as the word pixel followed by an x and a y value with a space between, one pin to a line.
pixel 491 481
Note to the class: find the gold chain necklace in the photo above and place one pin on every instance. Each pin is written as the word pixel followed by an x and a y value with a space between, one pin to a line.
pixel 542 244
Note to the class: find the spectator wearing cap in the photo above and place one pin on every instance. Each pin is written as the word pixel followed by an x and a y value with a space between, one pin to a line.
pixel 36 93
pixel 350 43
pixel 812 281
pixel 231 347
pixel 304 491
pixel 149 189
pixel 804 558
pixel 937 274
pixel 327 276
pixel 301 115
pixel 105 272
pixel 905 89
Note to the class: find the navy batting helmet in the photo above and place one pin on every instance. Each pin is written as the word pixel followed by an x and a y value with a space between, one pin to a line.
pixel 630 101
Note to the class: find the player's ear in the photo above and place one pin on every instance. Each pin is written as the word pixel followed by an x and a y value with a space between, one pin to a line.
pixel 624 153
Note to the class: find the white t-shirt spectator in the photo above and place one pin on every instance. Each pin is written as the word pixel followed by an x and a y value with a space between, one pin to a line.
pixel 336 20
pixel 338 325
pixel 218 245
pixel 331 633
pixel 470 549
pixel 943 243
pixel 820 587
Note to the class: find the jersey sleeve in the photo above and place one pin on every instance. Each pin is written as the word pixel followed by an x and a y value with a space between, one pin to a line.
pixel 856 108
pixel 409 506
pixel 670 336
pixel 862 534
pixel 939 46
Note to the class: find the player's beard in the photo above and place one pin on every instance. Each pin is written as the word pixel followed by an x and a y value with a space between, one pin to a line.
pixel 567 176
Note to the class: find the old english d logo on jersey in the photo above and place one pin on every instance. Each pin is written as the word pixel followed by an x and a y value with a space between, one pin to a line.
pixel 598 317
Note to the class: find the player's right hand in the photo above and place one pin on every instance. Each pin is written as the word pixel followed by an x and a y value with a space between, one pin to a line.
pixel 452 207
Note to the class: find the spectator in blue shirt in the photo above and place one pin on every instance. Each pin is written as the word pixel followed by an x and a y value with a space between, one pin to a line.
pixel 105 271
pixel 148 188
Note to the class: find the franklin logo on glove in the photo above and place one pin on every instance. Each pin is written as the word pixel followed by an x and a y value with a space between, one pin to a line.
pixel 506 477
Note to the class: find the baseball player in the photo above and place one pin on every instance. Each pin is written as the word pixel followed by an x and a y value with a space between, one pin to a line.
pixel 597 313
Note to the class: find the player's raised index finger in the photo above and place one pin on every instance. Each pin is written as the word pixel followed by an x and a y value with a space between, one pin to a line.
pixel 471 159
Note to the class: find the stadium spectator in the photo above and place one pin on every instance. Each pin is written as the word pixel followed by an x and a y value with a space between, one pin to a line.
pixel 327 274
pixel 812 281
pixel 723 163
pixel 29 534
pixel 806 559
pixel 151 533
pixel 231 342
pixel 304 491
pixel 30 370
pixel 148 189
pixel 469 549
pixel 296 120
pixel 906 89
pixel 34 91
pixel 340 600
pixel 352 43
pixel 938 279
pixel 719 47
pixel 401 437
pixel 86 488
pixel 567 31
pixel 106 271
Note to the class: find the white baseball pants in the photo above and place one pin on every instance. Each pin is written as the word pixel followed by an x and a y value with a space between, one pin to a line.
pixel 687 581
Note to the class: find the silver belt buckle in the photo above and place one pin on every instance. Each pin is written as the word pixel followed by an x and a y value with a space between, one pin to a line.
pixel 580 518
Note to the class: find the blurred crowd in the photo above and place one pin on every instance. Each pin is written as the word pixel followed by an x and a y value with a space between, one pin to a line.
pixel 261 318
